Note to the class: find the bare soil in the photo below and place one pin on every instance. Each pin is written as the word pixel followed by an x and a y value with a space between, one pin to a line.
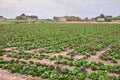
pixel 96 58
pixel 10 48
pixel 6 75
pixel 77 57
pixel 64 53
pixel 43 61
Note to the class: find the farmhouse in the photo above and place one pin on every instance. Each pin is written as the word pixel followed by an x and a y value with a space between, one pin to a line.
pixel 26 17
pixel 100 19
pixel 67 18
pixel 60 19
pixel 2 18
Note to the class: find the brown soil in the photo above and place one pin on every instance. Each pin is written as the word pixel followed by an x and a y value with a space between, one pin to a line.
pixel 64 53
pixel 6 58
pixel 32 50
pixel 77 57
pixel 10 48
pixel 113 74
pixel 96 58
pixel 6 75
pixel 43 61
pixel 46 61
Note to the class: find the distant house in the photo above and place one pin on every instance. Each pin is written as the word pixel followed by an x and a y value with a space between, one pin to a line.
pixel 26 17
pixel 2 18
pixel 62 19
pixel 67 18
pixel 100 19
pixel 32 18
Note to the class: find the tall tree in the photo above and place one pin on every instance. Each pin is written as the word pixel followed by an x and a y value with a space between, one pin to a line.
pixel 102 16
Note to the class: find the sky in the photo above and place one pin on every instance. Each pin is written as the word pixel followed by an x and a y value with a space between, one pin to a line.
pixel 49 8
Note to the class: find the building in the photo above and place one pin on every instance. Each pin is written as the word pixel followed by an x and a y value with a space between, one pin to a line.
pixel 62 19
pixel 2 18
pixel 67 18
pixel 100 19
pixel 32 18
pixel 26 17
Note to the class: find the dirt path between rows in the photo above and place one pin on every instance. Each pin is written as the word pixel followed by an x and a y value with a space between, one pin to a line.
pixel 43 61
pixel 96 58
pixel 6 75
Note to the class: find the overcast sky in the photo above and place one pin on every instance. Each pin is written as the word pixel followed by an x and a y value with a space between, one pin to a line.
pixel 50 8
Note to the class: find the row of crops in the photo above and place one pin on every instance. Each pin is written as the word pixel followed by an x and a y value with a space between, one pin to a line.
pixel 37 50
pixel 112 54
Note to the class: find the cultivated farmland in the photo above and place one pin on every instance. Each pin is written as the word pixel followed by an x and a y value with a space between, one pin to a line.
pixel 59 51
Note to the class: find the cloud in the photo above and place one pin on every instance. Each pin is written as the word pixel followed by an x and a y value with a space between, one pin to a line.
pixel 10 5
